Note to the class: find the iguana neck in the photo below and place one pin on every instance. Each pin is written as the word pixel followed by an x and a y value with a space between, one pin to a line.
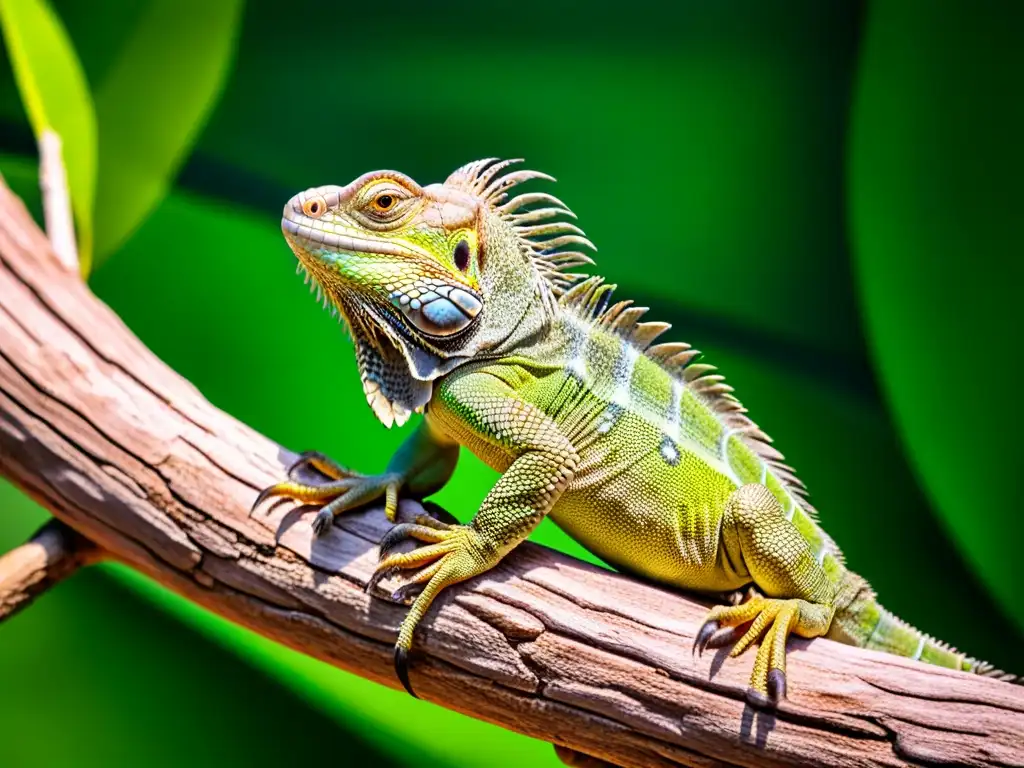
pixel 515 310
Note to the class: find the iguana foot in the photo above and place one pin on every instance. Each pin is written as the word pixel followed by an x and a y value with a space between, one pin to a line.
pixel 773 618
pixel 453 553
pixel 346 490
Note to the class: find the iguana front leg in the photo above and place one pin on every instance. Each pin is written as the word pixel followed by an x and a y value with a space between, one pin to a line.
pixel 543 463
pixel 421 466
pixel 800 599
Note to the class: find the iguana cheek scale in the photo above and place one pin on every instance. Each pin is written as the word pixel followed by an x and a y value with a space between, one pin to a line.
pixel 463 306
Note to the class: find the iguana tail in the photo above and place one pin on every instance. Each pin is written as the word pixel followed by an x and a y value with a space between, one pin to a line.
pixel 861 621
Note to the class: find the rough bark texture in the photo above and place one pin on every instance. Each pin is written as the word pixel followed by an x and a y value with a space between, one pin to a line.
pixel 53 553
pixel 130 455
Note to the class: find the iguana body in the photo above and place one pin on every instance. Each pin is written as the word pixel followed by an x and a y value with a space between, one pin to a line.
pixel 461 307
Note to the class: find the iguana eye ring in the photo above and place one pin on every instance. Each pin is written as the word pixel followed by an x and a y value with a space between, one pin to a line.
pixel 315 207
pixel 384 202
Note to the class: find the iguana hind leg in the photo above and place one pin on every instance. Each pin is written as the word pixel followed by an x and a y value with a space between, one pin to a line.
pixel 422 464
pixel 800 596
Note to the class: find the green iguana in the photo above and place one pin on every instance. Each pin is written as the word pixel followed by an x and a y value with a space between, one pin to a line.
pixel 463 306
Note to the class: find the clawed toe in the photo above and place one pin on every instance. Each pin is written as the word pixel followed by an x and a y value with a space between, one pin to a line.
pixel 417 531
pixel 322 522
pixel 700 643
pixel 302 461
pixel 438 514
pixel 777 684
pixel 320 462
pixel 265 494
pixel 406 592
pixel 393 538
pixel 402 669
pixel 768 621
pixel 427 558
pixel 344 491
pixel 757 699
pixel 378 576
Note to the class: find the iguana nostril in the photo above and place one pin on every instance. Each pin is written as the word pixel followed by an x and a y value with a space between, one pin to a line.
pixel 462 255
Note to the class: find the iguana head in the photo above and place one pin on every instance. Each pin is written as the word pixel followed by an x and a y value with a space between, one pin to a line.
pixel 428 277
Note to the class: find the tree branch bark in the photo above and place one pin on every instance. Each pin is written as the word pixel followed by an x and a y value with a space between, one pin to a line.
pixel 51 555
pixel 130 455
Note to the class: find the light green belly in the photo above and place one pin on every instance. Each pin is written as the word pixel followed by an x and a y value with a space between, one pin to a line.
pixel 640 514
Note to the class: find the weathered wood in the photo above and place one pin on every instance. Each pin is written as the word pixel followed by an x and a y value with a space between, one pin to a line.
pixel 53 553
pixel 129 454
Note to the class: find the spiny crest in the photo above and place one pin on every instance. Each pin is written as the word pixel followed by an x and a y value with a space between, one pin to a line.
pixel 550 242
pixel 978 667
pixel 591 301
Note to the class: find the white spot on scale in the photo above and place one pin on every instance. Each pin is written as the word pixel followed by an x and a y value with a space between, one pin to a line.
pixel 622 374
pixel 669 451
pixel 821 554
pixel 674 404
pixel 920 649
pixel 871 635
pixel 727 432
pixel 578 368
pixel 790 510
pixel 608 419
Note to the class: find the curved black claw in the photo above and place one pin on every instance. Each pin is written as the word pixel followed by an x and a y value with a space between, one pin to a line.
pixel 379 576
pixel 777 684
pixel 322 522
pixel 303 458
pixel 438 512
pixel 722 639
pixel 402 669
pixel 758 700
pixel 265 494
pixel 395 536
pixel 404 592
pixel 706 632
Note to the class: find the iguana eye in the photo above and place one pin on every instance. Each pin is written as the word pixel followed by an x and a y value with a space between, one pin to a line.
pixel 384 202
pixel 314 207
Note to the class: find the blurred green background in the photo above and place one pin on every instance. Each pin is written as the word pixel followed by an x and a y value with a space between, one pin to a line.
pixel 839 225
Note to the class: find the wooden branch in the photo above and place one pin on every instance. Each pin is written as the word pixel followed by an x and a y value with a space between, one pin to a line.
pixel 129 454
pixel 52 554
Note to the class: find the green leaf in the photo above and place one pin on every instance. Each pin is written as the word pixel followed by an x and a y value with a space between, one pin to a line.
pixel 56 97
pixel 152 104
pixel 936 201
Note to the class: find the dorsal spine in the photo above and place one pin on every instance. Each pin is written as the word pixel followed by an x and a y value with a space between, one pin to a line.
pixel 744 447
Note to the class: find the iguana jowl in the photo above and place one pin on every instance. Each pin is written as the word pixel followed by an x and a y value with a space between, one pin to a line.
pixel 463 306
